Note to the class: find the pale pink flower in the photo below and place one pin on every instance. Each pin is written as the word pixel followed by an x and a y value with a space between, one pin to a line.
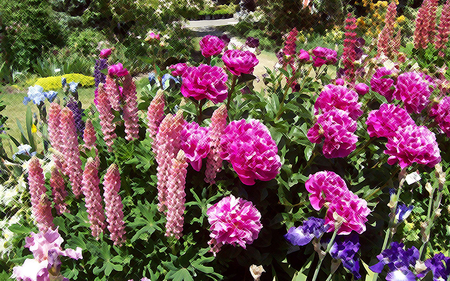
pixel 215 132
pixel 385 121
pixel 112 92
pixel 41 206
pixel 130 109
pixel 249 147
pixel 384 43
pixel 441 112
pixel 106 117
pixel 195 144
pixel 89 135
pixel 176 196
pixel 325 187
pixel 413 90
pixel 234 221
pixel 54 119
pixel 211 45
pixel 113 205
pixel 155 114
pixel 240 62
pixel 91 192
pixel 59 192
pixel 413 144
pixel 338 97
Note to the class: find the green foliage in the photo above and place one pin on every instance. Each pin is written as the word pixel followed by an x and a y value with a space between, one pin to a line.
pixel 85 40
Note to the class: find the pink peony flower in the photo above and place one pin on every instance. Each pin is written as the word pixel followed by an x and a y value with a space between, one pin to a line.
pixel 413 144
pixel 205 81
pixel 195 144
pixel 337 128
pixel 385 121
pixel 105 53
pixel 441 112
pixel 251 150
pixel 340 82
pixel 234 221
pixel 303 56
pixel 117 70
pixel 211 46
pixel 178 69
pixel 362 89
pixel 338 97
pixel 413 90
pixel 324 56
pixel 352 210
pixel 383 86
pixel 325 187
pixel 240 62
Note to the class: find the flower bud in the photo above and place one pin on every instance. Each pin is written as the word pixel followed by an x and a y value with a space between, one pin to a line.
pixel 256 271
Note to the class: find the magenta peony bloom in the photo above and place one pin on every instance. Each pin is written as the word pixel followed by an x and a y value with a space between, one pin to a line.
pixel 234 221
pixel 195 144
pixel 338 97
pixel 303 56
pixel 178 69
pixel 105 53
pixel 117 70
pixel 383 86
pixel 353 211
pixel 339 82
pixel 385 121
pixel 211 45
pixel 251 150
pixel 413 90
pixel 337 128
pixel 362 89
pixel 240 62
pixel 325 187
pixel 413 144
pixel 441 112
pixel 324 56
pixel 205 82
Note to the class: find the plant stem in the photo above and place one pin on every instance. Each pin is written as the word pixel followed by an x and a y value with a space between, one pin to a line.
pixel 286 90
pixel 200 111
pixel 321 258
pixel 230 93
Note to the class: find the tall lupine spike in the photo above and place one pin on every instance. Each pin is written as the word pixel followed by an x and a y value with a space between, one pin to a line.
pixel 112 92
pixel 106 117
pixel 130 110
pixel 431 27
pixel 41 207
pixel 176 196
pixel 54 119
pixel 218 125
pixel 423 23
pixel 385 36
pixel 91 192
pixel 348 57
pixel 396 44
pixel 168 143
pixel 155 115
pixel 113 205
pixel 443 29
pixel 89 135
pixel 290 48
pixel 70 150
pixel 58 190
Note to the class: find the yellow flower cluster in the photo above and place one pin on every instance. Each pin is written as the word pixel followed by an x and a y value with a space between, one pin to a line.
pixel 373 23
pixel 54 82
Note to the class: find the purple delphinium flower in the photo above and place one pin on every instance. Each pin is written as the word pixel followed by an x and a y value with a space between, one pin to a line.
pixel 252 42
pixel 77 115
pixel 402 212
pixel 440 266
pixel 396 258
pixel 302 235
pixel 100 77
pixel 345 249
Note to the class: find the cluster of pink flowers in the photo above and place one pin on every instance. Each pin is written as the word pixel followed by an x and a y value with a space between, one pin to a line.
pixel 383 85
pixel 323 56
pixel 441 112
pixel 113 93
pixel 205 82
pixel 58 186
pixel 233 221
pixel 215 132
pixel 105 53
pixel 195 143
pixel 290 47
pixel 251 150
pixel 338 97
pixel 337 129
pixel 385 121
pixel 46 249
pixel 349 54
pixel 211 46
pixel 106 117
pixel 413 144
pixel 329 188
pixel 413 90
pixel 443 29
pixel 240 62
pixel 384 43
pixel 425 24
pixel 155 115
pixel 130 109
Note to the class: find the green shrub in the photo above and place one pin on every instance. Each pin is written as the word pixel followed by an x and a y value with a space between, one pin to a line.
pixel 85 41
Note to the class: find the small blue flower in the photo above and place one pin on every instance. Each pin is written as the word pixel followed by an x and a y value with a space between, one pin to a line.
pixel 63 81
pixel 24 149
pixel 345 249
pixel 152 78
pixel 51 95
pixel 35 94
pixel 73 86
pixel 402 212
pixel 168 81
pixel 302 235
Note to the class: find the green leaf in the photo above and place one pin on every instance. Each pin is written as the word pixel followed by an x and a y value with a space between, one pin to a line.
pixel 182 274
pixel 202 268
pixel 370 273
pixel 299 277
pixel 214 61
pixel 108 268
pixel 17 228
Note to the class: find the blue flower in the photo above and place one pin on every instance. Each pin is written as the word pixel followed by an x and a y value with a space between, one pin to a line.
pixel 24 149
pixel 345 249
pixel 35 94
pixel 63 81
pixel 168 81
pixel 51 95
pixel 152 78
pixel 439 265
pixel 402 212
pixel 73 86
pixel 302 235
pixel 396 258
